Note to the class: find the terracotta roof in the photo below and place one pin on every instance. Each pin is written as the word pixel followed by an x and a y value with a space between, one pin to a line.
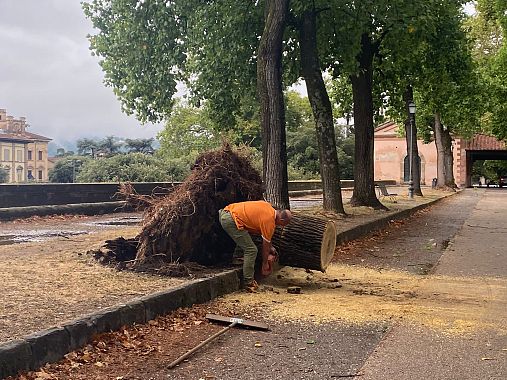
pixel 387 129
pixel 484 142
pixel 11 136
pixel 25 136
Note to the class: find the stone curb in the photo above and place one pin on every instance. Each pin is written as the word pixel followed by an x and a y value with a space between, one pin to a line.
pixel 375 225
pixel 11 213
pixel 52 344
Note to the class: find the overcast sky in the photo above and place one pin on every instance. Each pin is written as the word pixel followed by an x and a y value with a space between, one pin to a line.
pixel 48 75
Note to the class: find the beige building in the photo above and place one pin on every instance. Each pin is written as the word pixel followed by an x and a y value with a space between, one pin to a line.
pixel 23 154
pixel 391 159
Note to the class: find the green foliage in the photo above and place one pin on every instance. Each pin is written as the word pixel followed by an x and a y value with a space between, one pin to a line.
pixel 140 43
pixel 341 94
pixel 67 169
pixel 133 167
pixel 87 147
pixel 490 169
pixel 188 132
pixel 139 145
pixel 109 146
pixel 4 175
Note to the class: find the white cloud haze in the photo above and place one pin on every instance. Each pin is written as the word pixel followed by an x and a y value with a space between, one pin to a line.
pixel 48 75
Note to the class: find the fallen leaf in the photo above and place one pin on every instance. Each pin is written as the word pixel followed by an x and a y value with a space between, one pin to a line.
pixel 487 358
pixel 99 364
pixel 258 344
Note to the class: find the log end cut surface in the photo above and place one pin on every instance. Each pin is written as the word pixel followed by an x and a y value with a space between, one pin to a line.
pixel 328 245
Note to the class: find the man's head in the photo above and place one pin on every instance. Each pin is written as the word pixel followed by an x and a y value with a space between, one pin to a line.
pixel 283 217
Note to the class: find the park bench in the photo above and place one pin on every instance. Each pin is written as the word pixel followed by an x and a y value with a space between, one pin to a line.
pixel 382 192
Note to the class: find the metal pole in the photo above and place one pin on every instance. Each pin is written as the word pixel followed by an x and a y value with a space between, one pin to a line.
pixel 411 153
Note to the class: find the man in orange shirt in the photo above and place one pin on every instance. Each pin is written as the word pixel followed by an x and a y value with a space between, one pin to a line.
pixel 257 217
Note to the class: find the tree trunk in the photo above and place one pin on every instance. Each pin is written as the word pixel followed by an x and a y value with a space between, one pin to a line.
pixel 362 84
pixel 443 142
pixel 272 111
pixel 307 242
pixel 411 139
pixel 322 113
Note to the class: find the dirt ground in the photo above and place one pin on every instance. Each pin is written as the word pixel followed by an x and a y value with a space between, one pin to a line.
pixel 63 282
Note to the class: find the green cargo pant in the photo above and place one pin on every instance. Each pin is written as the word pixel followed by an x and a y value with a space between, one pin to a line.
pixel 243 241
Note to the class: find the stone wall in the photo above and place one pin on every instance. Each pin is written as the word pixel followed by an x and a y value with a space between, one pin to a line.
pixel 22 195
pixel 44 194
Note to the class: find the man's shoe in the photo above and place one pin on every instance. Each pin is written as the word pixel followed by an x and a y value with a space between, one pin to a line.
pixel 252 286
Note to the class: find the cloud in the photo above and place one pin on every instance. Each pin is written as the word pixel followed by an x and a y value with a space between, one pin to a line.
pixel 47 73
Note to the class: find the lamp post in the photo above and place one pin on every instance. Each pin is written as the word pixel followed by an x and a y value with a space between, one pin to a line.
pixel 411 111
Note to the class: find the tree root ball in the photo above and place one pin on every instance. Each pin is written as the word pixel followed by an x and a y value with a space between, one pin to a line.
pixel 183 226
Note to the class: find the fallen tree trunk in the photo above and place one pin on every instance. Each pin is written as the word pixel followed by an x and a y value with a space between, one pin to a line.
pixel 307 242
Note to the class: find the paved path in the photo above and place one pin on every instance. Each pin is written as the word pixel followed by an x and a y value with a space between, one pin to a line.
pixel 475 262
pixel 456 327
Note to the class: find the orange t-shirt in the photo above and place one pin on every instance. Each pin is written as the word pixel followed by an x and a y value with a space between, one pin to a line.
pixel 257 217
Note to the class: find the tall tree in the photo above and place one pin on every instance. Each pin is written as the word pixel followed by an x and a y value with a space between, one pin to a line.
pixel 322 111
pixel 87 147
pixel 449 89
pixel 272 110
pixel 139 145
pixel 109 146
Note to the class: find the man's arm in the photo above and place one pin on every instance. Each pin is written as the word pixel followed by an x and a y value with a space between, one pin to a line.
pixel 267 261
pixel 266 249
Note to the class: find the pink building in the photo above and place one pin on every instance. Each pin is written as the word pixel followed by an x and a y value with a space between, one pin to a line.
pixel 391 160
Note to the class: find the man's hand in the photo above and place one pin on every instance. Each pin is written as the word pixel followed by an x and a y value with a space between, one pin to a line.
pixel 269 256
pixel 273 253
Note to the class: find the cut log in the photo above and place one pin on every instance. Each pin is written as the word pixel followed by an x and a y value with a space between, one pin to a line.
pixel 307 242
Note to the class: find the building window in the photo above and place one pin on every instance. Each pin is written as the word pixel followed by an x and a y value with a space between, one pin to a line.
pixel 7 155
pixel 29 155
pixel 19 155
pixel 40 175
pixel 40 154
pixel 30 175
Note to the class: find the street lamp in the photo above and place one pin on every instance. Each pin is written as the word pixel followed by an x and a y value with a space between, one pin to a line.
pixel 411 111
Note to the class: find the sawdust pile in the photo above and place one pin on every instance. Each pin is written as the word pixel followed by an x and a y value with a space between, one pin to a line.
pixel 183 226
pixel 454 305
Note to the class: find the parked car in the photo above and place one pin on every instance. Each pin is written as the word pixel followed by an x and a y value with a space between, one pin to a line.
pixel 502 181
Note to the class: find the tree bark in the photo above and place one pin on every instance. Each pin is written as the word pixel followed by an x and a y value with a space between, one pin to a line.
pixel 307 242
pixel 322 113
pixel 272 110
pixel 411 139
pixel 445 159
pixel 362 87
